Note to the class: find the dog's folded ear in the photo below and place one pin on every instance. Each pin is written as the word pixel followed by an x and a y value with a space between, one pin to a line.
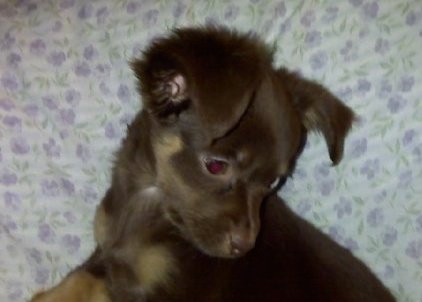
pixel 319 110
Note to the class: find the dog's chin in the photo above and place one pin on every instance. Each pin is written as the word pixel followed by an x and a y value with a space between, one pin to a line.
pixel 215 245
pixel 216 253
pixel 218 247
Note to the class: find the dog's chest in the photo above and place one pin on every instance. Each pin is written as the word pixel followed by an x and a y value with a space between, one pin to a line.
pixel 155 267
pixel 169 276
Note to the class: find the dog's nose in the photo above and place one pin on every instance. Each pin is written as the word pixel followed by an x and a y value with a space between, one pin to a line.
pixel 240 245
pixel 241 240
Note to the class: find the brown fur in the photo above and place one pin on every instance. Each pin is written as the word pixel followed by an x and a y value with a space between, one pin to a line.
pixel 169 230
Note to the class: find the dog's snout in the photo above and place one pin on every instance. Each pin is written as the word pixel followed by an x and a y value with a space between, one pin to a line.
pixel 242 238
pixel 240 244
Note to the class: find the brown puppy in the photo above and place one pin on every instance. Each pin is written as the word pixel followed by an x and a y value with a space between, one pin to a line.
pixel 192 214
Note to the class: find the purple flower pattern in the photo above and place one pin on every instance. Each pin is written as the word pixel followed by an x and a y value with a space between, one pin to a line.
pixel 408 137
pixel 82 69
pixel 9 82
pixel 50 188
pixel 406 83
pixel 14 60
pixel 308 18
pixel 83 152
pixel 375 217
pixel 318 60
pixel 349 52
pixel 123 93
pixel 370 9
pixel 343 208
pixel 359 147
pixel 6 104
pixel 51 149
pixel 71 243
pixel 102 15
pixel 67 116
pixel 72 97
pixel 411 18
pixel 12 122
pixel 50 103
pixel 414 249
pixel 356 2
pixel 382 46
pixel 8 179
pixel 12 201
pixel 132 7
pixel 150 17
pixel 19 145
pixel 370 168
pixel 280 9
pixel 85 11
pixel 41 275
pixel 56 58
pixel 46 233
pixel 313 38
pixel 65 4
pixel 389 236
pixel 330 14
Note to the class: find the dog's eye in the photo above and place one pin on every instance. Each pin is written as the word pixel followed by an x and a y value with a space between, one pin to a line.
pixel 215 166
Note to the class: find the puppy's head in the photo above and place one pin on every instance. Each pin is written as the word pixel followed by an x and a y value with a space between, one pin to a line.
pixel 227 129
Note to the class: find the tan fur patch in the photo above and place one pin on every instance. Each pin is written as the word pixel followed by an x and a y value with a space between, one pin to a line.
pixel 100 225
pixel 168 145
pixel 77 287
pixel 155 264
pixel 165 147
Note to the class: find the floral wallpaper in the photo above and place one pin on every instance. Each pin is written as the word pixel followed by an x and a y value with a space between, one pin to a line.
pixel 67 93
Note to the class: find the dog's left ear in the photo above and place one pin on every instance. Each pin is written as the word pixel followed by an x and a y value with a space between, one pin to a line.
pixel 161 83
pixel 319 110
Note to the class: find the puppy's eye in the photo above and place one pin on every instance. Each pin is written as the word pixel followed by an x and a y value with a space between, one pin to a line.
pixel 274 183
pixel 216 166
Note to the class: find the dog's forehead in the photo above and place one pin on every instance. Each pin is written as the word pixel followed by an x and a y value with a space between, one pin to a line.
pixel 255 143
pixel 222 93
pixel 222 69
pixel 261 140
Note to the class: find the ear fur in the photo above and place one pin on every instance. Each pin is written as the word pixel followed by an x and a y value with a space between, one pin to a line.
pixel 319 110
pixel 163 87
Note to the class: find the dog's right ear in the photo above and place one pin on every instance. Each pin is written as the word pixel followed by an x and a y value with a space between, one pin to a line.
pixel 162 84
pixel 319 110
